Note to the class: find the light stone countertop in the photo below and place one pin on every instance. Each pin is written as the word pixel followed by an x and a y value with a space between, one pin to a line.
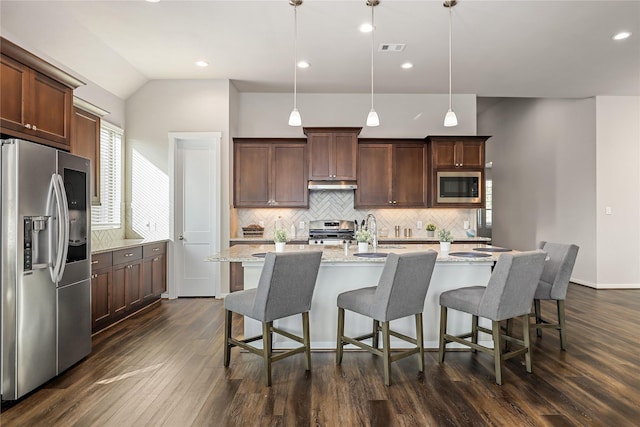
pixel 382 240
pixel 244 253
pixel 115 245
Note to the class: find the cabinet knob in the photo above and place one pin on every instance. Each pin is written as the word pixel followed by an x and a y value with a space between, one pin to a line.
pixel 181 237
pixel 390 201
pixel 395 202
pixel 95 261
pixel 156 249
pixel 28 126
pixel 128 255
pixel 34 127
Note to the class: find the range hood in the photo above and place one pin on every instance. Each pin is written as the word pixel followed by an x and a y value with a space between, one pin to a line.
pixel 332 185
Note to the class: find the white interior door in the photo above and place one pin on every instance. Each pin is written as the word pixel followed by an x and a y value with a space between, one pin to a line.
pixel 196 213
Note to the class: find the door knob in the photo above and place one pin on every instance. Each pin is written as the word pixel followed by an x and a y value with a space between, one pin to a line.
pixel 181 237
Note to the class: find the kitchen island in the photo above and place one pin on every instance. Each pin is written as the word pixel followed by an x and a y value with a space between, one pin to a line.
pixel 342 270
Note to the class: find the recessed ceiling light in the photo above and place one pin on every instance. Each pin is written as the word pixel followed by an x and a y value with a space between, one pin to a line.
pixel 153 1
pixel 407 65
pixel 365 28
pixel 622 35
pixel 303 64
pixel 202 63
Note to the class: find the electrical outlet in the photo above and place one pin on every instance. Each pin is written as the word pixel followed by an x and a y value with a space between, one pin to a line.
pixel 301 225
pixel 419 225
pixel 608 210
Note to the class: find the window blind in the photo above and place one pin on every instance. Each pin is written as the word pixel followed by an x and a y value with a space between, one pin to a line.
pixel 108 213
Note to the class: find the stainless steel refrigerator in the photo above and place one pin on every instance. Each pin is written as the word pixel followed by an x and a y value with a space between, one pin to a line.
pixel 46 263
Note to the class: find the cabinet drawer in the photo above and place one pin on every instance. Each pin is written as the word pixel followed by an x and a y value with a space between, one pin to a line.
pixel 154 249
pixel 127 255
pixel 99 261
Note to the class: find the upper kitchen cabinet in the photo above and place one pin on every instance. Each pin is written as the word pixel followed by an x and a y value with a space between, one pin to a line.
pixel 332 153
pixel 85 140
pixel 456 152
pixel 270 172
pixel 36 102
pixel 391 173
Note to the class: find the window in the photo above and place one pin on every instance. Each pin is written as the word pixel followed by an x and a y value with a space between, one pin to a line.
pixel 107 214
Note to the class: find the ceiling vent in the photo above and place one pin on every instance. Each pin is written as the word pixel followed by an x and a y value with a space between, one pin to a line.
pixel 391 47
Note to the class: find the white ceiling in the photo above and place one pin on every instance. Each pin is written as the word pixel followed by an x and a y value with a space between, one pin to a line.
pixel 500 48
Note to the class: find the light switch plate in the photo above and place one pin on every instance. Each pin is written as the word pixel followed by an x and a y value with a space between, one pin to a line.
pixel 419 225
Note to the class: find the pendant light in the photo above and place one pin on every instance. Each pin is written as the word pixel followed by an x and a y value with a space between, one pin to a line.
pixel 372 118
pixel 450 118
pixel 294 117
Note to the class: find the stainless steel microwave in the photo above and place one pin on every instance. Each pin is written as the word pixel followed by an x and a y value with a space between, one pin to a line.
pixel 459 187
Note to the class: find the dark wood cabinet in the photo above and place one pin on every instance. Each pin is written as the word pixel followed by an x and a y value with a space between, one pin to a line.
pixel 125 281
pixel 85 142
pixel 101 290
pixel 464 154
pixel 270 173
pixel 456 152
pixel 332 153
pixel 391 173
pixel 154 276
pixel 36 102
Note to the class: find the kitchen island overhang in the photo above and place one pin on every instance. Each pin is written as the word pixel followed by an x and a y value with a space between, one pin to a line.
pixel 342 271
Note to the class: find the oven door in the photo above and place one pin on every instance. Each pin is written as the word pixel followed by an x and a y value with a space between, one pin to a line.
pixel 459 187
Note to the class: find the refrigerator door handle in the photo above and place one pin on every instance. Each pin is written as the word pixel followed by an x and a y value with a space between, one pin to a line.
pixel 64 226
pixel 52 199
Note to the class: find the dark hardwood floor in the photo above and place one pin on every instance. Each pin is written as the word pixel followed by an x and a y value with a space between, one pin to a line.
pixel 164 367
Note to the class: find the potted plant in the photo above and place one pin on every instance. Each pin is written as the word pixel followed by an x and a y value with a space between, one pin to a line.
pixel 363 237
pixel 280 239
pixel 445 238
pixel 431 228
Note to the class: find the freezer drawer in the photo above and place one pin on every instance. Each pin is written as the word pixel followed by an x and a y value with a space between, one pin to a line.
pixel 74 323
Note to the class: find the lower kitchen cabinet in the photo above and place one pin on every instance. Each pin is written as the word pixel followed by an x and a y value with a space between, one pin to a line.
pixel 125 281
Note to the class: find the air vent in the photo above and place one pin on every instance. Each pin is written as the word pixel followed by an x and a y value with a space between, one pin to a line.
pixel 391 47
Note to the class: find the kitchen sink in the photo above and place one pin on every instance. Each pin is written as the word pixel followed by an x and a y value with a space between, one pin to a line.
pixel 371 254
pixel 470 254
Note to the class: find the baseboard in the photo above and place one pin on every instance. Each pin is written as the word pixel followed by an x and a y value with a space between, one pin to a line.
pixel 606 285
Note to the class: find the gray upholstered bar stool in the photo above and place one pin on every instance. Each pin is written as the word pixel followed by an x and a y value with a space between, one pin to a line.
pixel 285 288
pixel 401 291
pixel 508 294
pixel 553 285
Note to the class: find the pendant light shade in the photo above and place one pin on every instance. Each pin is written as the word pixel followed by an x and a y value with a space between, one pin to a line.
pixel 294 117
pixel 372 118
pixel 450 119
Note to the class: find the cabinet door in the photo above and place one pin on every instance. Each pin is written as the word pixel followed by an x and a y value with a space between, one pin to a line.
pixel 101 290
pixel 374 175
pixel 147 279
pixel 159 275
pixel 251 175
pixel 320 153
pixel 119 299
pixel 133 285
pixel 14 80
pixel 470 154
pixel 345 149
pixel 85 142
pixel 50 108
pixel 443 154
pixel 408 175
pixel 289 174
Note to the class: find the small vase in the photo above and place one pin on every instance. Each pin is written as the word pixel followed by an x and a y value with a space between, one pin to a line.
pixel 363 246
pixel 280 246
pixel 445 246
pixel 430 233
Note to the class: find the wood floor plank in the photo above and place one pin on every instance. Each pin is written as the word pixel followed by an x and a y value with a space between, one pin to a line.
pixel 165 367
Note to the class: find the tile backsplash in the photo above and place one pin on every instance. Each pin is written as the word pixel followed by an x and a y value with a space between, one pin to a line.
pixel 333 204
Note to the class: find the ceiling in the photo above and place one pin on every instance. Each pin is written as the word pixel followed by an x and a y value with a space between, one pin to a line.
pixel 500 48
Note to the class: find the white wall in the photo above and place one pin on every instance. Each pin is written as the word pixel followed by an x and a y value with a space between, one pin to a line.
pixel 544 175
pixel 618 187
pixel 401 115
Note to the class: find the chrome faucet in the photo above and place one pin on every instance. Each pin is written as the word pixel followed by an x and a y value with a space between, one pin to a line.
pixel 373 229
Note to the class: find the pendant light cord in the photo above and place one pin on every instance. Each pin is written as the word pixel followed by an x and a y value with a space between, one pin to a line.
pixel 372 31
pixel 295 55
pixel 450 104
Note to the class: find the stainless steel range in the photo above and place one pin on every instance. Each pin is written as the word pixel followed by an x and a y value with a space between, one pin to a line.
pixel 331 232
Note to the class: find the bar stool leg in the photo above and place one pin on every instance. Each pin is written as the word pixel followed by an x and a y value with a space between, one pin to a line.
pixel 561 324
pixel 527 342
pixel 339 343
pixel 474 332
pixel 497 350
pixel 386 344
pixel 266 350
pixel 420 342
pixel 536 307
pixel 307 340
pixel 228 317
pixel 443 331
pixel 376 332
